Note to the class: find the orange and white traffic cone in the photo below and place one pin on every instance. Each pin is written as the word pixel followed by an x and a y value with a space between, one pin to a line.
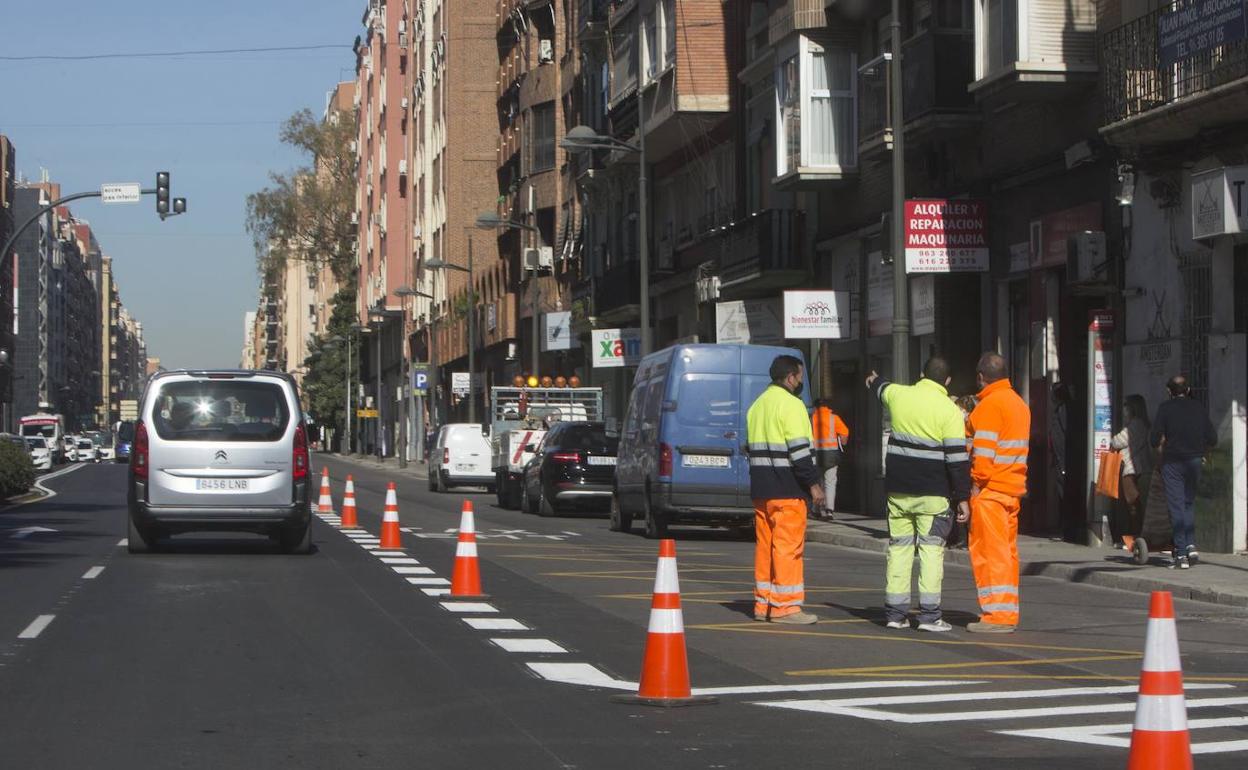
pixel 349 518
pixel 1160 740
pixel 390 537
pixel 466 576
pixel 326 503
pixel 665 668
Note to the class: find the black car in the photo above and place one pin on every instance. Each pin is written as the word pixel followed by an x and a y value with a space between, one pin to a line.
pixel 574 466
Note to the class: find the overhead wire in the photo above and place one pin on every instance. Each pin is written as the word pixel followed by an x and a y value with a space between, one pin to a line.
pixel 169 54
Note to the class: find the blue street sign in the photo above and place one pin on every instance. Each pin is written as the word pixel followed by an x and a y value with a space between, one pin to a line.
pixel 420 378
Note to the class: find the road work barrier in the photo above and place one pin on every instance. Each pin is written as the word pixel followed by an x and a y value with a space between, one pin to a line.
pixel 466 576
pixel 391 539
pixel 665 667
pixel 349 519
pixel 326 503
pixel 1159 739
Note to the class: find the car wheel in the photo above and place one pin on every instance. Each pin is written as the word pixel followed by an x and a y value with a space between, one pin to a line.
pixel 621 520
pixel 656 521
pixel 527 503
pixel 500 489
pixel 138 540
pixel 296 539
pixel 545 506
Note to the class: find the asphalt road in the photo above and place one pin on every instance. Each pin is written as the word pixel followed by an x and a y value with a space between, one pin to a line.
pixel 219 651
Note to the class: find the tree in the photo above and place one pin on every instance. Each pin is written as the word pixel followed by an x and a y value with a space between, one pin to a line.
pixel 324 386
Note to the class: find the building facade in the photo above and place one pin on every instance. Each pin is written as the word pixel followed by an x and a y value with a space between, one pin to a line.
pixel 8 285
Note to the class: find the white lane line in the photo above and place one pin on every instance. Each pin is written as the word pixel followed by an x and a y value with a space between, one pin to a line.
pixel 48 494
pixel 435 591
pixel 364 539
pixel 495 624
pixel 92 573
pixel 370 547
pixel 414 571
pixel 1099 735
pixel 527 645
pixel 468 607
pixel 583 674
pixel 429 581
pixel 34 629
pixel 385 559
pixel 122 543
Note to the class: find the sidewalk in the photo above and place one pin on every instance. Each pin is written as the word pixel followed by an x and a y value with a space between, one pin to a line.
pixel 1218 578
pixel 391 465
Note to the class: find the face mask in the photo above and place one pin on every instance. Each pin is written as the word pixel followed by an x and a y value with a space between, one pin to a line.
pixel 797 389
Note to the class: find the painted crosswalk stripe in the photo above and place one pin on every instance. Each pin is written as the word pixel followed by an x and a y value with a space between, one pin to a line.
pixel 435 591
pixel 468 607
pixel 496 624
pixel 388 559
pixel 35 628
pixel 428 581
pixel 527 645
pixel 413 570
pixel 122 543
pixel 1100 735
pixel 92 573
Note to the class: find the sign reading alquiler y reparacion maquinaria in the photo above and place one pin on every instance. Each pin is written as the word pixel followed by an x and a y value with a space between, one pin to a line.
pixel 946 236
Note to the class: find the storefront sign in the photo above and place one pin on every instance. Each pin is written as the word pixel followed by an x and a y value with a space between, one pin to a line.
pixel 1101 347
pixel 1020 257
pixel 1056 230
pixel 420 378
pixel 614 348
pixel 946 236
pixel 879 297
pixel 923 305
pixel 816 315
pixel 1218 202
pixel 460 383
pixel 1198 28
pixel 749 322
pixel 559 332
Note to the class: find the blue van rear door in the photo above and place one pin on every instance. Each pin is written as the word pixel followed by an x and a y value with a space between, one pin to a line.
pixel 706 440
pixel 752 386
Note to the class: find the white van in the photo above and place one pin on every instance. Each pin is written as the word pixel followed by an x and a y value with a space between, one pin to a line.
pixel 460 457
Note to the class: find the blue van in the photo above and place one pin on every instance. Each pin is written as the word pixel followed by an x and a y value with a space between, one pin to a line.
pixel 682 455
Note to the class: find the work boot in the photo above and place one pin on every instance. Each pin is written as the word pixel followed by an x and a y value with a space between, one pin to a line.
pixel 980 627
pixel 936 626
pixel 796 619
pixel 898 624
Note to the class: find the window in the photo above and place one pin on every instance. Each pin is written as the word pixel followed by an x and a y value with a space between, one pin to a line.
pixel 542 137
pixel 624 58
pixel 816 111
pixel 669 32
pixel 997 41
pixel 659 40
pixel 718 399
pixel 197 410
pixel 653 55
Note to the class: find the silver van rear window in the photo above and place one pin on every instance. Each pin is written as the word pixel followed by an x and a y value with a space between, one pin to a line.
pixel 220 410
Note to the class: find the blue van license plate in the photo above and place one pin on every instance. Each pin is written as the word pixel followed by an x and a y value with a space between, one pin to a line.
pixel 704 461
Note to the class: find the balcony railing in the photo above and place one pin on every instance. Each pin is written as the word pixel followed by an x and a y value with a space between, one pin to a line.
pixel 769 240
pixel 1136 80
pixel 936 68
pixel 618 287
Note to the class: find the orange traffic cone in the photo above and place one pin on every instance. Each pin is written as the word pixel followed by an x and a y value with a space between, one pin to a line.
pixel 390 537
pixel 665 669
pixel 349 518
pixel 326 503
pixel 1159 740
pixel 466 576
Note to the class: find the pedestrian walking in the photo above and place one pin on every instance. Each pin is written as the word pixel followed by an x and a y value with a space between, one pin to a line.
pixel 784 483
pixel 1137 463
pixel 1000 428
pixel 830 433
pixel 927 468
pixel 1185 435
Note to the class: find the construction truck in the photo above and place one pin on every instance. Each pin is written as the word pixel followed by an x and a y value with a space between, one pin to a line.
pixel 519 419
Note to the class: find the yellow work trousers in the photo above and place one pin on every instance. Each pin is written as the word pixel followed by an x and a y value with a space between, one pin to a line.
pixel 993 544
pixel 780 539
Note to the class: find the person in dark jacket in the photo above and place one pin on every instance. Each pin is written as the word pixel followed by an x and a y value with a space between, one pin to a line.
pixel 1185 435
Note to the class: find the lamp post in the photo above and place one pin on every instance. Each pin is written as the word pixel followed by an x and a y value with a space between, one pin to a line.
pixel 488 220
pixel 437 263
pixel 901 291
pixel 416 412
pixel 583 138
pixel 355 329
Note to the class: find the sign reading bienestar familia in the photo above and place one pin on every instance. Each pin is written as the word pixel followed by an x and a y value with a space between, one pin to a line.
pixel 816 315
pixel 946 236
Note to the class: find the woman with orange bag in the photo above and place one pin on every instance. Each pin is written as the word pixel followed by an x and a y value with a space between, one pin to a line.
pixel 1137 464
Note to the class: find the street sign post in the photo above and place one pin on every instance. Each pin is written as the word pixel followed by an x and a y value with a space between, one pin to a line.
pixel 120 192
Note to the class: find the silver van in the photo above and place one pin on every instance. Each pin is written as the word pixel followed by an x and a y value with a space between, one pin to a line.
pixel 220 450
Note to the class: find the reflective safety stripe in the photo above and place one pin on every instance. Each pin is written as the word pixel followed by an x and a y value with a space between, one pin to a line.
pixel 1010 460
pixel 984 452
pixel 778 462
pixel 985 435
pixel 1160 713
pixel 987 591
pixel 957 457
pixel 1013 444
pixel 1000 607
pixel 762 446
pixel 897 600
pixel 924 454
pixel 795 443
pixel 910 439
pixel 954 442
pixel 799 455
pixel 762 587
pixel 931 540
pixel 901 540
pixel 789 603
pixel 929 600
pixel 466 549
pixel 797 589
pixel 666 622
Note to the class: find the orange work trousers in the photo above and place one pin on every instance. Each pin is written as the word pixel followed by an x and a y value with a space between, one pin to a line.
pixel 780 539
pixel 993 544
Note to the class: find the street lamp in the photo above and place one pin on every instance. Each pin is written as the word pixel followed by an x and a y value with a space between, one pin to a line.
pixel 489 220
pixel 437 263
pixel 582 138
pixel 406 411
pixel 376 321
pixel 355 329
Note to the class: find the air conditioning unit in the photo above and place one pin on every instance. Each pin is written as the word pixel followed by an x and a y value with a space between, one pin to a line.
pixel 402 26
pixel 403 104
pixel 403 40
pixel 355 217
pixel 529 259
pixel 546 258
pixel 403 167
pixel 545 51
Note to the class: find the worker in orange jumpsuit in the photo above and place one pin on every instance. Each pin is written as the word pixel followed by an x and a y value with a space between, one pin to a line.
pixel 831 433
pixel 1000 429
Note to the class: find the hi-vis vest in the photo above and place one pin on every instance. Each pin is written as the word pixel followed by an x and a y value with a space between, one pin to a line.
pixel 927 447
pixel 830 434
pixel 1000 430
pixel 778 432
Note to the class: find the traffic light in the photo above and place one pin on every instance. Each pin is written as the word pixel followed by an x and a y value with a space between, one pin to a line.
pixel 162 193
pixel 179 205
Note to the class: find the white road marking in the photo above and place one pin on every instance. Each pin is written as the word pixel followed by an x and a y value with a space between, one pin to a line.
pixel 122 543
pixel 25 532
pixel 50 493
pixel 92 573
pixel 413 570
pixel 387 559
pixel 468 607
pixel 496 624
pixel 527 645
pixel 370 547
pixel 582 674
pixel 362 540
pixel 35 628
pixel 429 581
pixel 1098 735
pixel 435 591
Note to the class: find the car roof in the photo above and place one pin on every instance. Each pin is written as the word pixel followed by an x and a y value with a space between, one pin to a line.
pixel 235 372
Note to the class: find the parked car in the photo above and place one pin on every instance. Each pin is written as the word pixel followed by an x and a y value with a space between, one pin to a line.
pixel 40 454
pixel 461 457
pixel 124 438
pixel 682 454
pixel 220 450
pixel 69 448
pixel 106 449
pixel 85 451
pixel 573 466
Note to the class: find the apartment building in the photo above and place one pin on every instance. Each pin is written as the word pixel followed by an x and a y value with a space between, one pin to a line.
pixel 247 356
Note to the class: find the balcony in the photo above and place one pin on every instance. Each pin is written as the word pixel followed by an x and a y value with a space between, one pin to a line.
pixel 764 252
pixel 591 17
pixel 936 68
pixel 1150 101
pixel 618 293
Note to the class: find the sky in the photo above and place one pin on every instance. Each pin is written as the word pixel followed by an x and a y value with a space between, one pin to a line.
pixel 211 121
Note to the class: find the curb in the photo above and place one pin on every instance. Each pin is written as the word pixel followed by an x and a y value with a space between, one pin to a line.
pixel 1084 574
